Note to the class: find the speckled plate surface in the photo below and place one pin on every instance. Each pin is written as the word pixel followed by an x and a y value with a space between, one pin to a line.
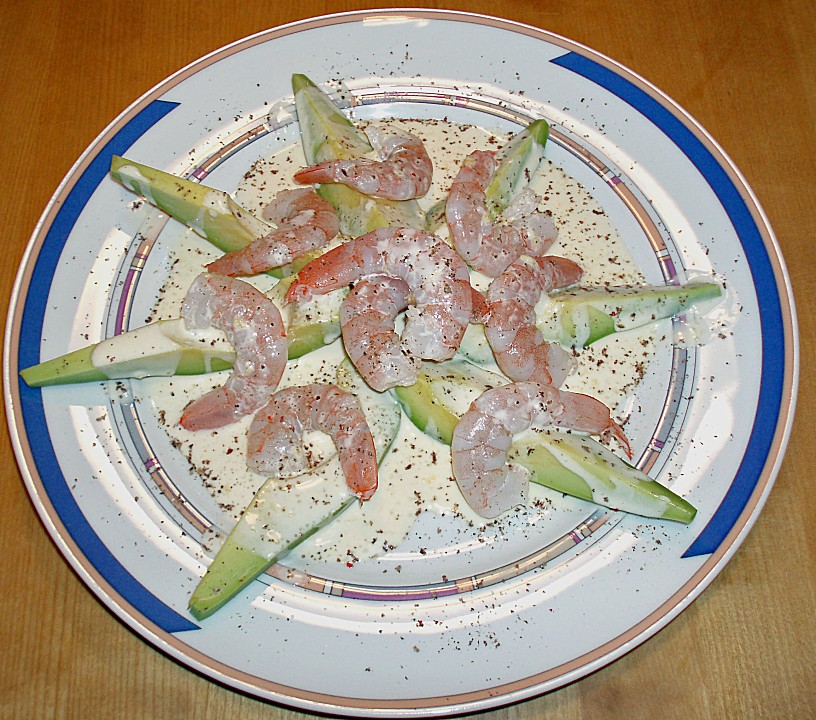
pixel 548 608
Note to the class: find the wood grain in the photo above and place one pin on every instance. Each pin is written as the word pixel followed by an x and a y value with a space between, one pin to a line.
pixel 746 70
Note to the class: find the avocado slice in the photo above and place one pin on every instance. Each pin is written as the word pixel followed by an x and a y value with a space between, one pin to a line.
pixel 270 526
pixel 572 464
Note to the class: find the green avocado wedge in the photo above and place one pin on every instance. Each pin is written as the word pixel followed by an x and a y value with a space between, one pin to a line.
pixel 518 160
pixel 582 467
pixel 164 348
pixel 275 522
pixel 257 541
pixel 212 213
pixel 571 464
pixel 581 316
pixel 578 317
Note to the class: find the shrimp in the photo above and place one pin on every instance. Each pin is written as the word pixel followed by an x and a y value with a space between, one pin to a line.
pixel 483 436
pixel 367 318
pixel 436 278
pixel 275 439
pixel 488 246
pixel 305 222
pixel 253 324
pixel 404 171
pixel 510 324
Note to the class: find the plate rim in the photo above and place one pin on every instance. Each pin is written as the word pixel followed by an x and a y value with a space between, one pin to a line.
pixel 486 699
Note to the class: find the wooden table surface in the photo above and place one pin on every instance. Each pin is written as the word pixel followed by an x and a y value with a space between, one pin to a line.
pixel 746 70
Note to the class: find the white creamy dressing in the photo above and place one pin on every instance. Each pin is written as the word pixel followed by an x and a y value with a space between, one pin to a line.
pixel 415 476
pixel 132 178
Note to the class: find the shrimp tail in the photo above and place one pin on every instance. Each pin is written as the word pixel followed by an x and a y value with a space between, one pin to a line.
pixel 614 430
pixel 214 409
pixel 330 171
pixel 558 272
pixel 479 307
pixel 588 414
pixel 330 271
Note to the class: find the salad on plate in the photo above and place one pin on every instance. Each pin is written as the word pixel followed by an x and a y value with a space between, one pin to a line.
pixel 394 317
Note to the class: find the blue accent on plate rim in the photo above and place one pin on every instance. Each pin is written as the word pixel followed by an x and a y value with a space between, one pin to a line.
pixel 770 309
pixel 31 404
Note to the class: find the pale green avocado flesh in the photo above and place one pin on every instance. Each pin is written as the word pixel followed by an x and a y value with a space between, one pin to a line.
pixel 582 316
pixel 571 464
pixel 259 538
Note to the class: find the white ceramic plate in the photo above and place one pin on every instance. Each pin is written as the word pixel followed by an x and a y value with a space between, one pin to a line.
pixel 349 643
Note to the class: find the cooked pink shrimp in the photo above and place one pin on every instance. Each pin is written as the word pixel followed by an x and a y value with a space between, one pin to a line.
pixel 367 317
pixel 404 171
pixel 253 324
pixel 488 246
pixel 483 436
pixel 510 324
pixel 367 321
pixel 436 277
pixel 305 222
pixel 275 440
